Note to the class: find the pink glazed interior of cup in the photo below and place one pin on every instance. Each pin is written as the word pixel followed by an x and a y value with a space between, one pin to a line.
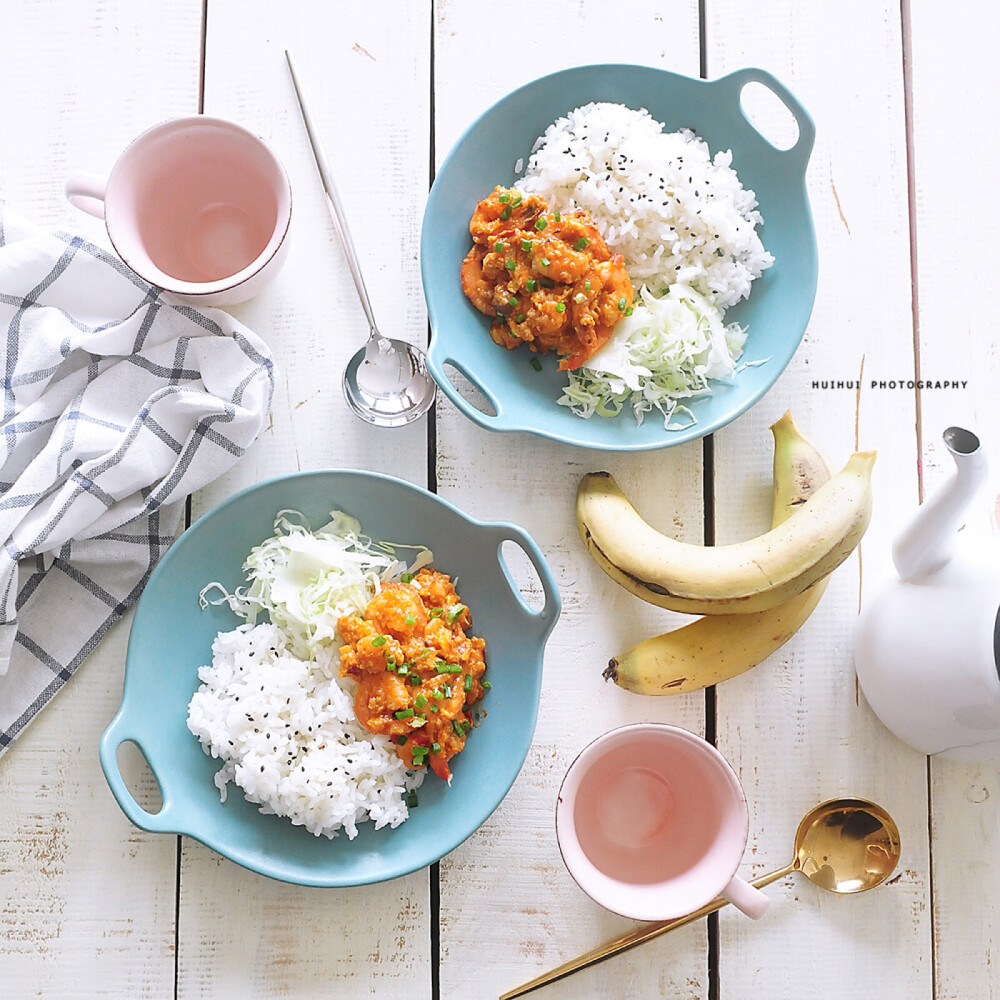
pixel 652 822
pixel 196 205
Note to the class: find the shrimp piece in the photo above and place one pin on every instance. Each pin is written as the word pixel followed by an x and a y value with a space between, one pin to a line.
pixel 557 260
pixel 369 655
pixel 616 291
pixel 435 588
pixel 475 285
pixel 376 700
pixel 502 335
pixel 493 216
pixel 576 226
pixel 397 611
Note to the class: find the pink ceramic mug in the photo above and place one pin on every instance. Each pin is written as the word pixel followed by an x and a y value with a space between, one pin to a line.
pixel 652 823
pixel 197 206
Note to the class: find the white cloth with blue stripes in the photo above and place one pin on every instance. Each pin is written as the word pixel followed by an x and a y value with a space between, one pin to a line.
pixel 117 404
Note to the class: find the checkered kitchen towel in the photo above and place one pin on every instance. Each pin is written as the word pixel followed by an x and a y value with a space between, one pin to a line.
pixel 116 406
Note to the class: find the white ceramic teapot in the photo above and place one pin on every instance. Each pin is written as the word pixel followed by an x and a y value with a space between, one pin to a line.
pixel 926 647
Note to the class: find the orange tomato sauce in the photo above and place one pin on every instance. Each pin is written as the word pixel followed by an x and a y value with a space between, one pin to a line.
pixel 548 279
pixel 418 672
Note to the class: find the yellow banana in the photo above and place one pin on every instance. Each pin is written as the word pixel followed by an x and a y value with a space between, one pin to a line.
pixel 741 578
pixel 717 647
pixel 800 468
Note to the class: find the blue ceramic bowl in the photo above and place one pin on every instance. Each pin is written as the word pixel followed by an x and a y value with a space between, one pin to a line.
pixel 172 636
pixel 776 313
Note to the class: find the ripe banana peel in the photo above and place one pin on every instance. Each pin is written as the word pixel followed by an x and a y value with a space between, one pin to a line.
pixel 717 647
pixel 741 578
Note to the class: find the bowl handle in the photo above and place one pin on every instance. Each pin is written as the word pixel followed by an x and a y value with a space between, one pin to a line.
pixel 118 732
pixel 807 130
pixel 435 365
pixel 545 619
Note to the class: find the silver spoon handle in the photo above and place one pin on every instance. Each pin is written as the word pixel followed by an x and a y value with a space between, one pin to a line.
pixel 634 938
pixel 333 199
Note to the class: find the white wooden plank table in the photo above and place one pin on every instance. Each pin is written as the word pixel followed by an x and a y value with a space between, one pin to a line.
pixel 901 95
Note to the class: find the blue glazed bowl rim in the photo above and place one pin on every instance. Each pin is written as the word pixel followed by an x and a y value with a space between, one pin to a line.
pixel 187 822
pixel 575 433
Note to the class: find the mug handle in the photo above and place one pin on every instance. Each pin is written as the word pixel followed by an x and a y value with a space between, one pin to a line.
pixel 86 192
pixel 746 898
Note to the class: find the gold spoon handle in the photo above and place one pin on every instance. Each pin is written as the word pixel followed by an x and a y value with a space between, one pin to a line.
pixel 633 939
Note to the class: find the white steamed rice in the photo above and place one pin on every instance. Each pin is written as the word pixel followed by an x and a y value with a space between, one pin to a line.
pixel 287 735
pixel 658 198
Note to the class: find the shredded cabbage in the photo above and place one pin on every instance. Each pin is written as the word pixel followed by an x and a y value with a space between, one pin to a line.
pixel 305 580
pixel 668 350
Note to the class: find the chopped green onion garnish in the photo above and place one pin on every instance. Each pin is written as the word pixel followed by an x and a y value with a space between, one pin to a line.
pixel 586 284
pixel 546 262
pixel 581 243
pixel 541 223
pixel 447 690
pixel 629 311
pixel 505 214
pixel 439 694
pixel 520 318
pixel 414 679
pixel 401 740
pixel 558 216
pixel 621 303
pixel 456 727
pixel 531 285
pixel 436 612
pixel 516 200
pixel 435 747
pixel 434 708
pixel 454 612
pixel 487 685
pixel 421 700
pixel 403 669
pixel 526 245
pixel 379 640
pixel 390 661
pixel 536 364
pixel 498 246
pixel 579 297
pixel 468 682
pixel 451 668
pixel 546 282
pixel 411 619
pixel 503 197
pixel 405 713
pixel 511 264
pixel 411 800
pixel 406 577
pixel 560 307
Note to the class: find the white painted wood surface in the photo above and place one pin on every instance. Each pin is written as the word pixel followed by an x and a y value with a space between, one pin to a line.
pixel 90 906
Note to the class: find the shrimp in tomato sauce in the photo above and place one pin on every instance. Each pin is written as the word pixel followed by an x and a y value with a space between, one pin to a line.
pixel 547 279
pixel 418 671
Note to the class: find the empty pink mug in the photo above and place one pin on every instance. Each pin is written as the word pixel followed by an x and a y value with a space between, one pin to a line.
pixel 652 823
pixel 197 206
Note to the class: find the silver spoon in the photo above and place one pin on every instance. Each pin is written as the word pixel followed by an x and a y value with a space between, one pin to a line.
pixel 386 382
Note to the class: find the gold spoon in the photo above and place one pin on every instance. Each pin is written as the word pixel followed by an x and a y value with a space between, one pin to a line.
pixel 844 845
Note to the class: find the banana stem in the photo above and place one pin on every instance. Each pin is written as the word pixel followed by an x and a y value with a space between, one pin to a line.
pixel 634 939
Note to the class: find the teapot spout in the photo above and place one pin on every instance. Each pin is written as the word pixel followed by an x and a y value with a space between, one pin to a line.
pixel 925 545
